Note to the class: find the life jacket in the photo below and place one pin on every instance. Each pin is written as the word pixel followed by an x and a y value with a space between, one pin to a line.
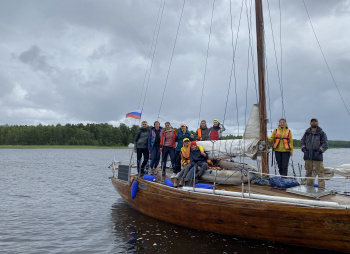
pixel 185 156
pixel 285 138
pixel 199 131
pixel 214 135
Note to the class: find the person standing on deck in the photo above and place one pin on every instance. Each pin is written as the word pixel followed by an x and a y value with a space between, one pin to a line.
pixel 282 140
pixel 313 144
pixel 154 146
pixel 141 147
pixel 203 131
pixel 216 131
pixel 167 146
pixel 181 135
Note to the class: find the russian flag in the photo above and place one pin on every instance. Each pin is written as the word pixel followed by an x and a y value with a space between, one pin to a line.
pixel 135 114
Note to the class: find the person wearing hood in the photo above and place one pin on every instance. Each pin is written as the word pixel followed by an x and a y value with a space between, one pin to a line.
pixel 185 164
pixel 141 147
pixel 282 141
pixel 313 144
pixel 198 161
pixel 216 131
pixel 203 131
pixel 154 146
pixel 181 135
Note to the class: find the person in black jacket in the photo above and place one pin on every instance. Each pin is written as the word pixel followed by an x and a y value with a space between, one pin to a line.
pixel 198 160
pixel 141 147
pixel 313 144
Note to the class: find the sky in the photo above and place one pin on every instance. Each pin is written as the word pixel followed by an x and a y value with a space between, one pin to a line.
pixel 89 61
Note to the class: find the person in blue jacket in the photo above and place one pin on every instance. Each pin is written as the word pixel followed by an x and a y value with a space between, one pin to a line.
pixel 154 146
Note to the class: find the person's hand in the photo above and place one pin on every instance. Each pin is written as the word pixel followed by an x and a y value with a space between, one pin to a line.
pixel 149 151
pixel 291 153
pixel 135 150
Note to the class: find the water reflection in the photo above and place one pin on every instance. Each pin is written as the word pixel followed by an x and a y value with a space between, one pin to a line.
pixel 138 233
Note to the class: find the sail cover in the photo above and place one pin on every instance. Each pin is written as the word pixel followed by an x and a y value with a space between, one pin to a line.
pixel 246 147
pixel 230 148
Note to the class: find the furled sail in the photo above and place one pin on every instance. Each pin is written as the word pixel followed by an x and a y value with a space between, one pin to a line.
pixel 248 146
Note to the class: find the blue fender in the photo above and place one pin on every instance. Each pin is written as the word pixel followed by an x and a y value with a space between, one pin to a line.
pixel 134 188
pixel 149 178
pixel 168 182
pixel 204 186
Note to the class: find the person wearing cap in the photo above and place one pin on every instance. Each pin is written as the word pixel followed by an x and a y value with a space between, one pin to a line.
pixel 185 164
pixel 313 144
pixel 198 160
pixel 154 146
pixel 282 141
pixel 216 131
pixel 181 135
pixel 167 146
pixel 203 131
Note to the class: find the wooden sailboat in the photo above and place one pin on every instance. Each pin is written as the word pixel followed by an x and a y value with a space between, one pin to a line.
pixel 251 211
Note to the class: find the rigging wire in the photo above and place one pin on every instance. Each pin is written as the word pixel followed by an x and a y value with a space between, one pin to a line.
pixel 276 60
pixel 252 50
pixel 150 53
pixel 281 83
pixel 171 59
pixel 325 60
pixel 154 51
pixel 206 62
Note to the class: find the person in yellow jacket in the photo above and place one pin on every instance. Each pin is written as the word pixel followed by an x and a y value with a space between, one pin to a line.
pixel 282 141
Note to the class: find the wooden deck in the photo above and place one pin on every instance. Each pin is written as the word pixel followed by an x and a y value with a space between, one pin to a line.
pixel 266 190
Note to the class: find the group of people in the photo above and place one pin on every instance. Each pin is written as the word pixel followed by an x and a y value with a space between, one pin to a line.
pixel 313 144
pixel 186 155
pixel 156 142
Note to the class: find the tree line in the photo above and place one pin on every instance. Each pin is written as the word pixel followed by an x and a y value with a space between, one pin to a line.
pixel 91 134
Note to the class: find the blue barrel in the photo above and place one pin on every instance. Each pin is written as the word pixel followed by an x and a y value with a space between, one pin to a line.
pixel 134 188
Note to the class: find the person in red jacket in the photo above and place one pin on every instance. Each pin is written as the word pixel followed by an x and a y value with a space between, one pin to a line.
pixel 167 146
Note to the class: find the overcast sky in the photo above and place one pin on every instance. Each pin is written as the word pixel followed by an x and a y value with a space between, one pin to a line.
pixel 84 61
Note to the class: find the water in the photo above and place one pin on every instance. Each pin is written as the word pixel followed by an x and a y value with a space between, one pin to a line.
pixel 61 201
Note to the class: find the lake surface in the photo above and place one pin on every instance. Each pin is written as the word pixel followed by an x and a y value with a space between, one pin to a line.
pixel 61 201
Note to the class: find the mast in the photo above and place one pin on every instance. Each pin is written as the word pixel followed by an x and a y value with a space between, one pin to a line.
pixel 261 73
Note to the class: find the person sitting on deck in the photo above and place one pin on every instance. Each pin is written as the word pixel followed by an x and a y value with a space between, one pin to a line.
pixel 167 146
pixel 141 147
pixel 198 159
pixel 216 131
pixel 181 135
pixel 186 163
pixel 203 132
pixel 154 146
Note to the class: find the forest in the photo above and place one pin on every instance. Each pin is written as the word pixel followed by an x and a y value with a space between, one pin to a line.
pixel 91 134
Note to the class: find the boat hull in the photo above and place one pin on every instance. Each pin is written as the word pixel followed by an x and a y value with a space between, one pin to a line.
pixel 286 223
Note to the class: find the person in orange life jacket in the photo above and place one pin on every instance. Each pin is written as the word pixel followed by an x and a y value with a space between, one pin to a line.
pixel 203 132
pixel 198 159
pixel 282 140
pixel 185 164
pixel 216 131
pixel 167 146
pixel 313 144
pixel 181 135
pixel 141 147
pixel 154 146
